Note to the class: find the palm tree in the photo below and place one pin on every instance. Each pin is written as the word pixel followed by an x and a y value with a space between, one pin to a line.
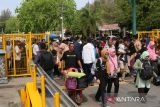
pixel 88 22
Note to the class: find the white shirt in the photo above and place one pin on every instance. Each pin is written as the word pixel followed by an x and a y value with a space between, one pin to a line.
pixel 121 48
pixel 35 49
pixel 88 54
pixel 18 53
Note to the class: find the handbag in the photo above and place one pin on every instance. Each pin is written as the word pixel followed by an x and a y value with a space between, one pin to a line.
pixel 82 82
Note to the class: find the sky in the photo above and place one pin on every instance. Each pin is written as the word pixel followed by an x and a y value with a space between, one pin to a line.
pixel 12 4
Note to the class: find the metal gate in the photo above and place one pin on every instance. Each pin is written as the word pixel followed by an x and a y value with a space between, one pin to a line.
pixel 18 49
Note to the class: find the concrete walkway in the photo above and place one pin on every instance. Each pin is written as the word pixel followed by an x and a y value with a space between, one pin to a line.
pixel 9 93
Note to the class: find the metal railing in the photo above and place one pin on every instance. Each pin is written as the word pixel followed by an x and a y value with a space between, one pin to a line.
pixel 53 87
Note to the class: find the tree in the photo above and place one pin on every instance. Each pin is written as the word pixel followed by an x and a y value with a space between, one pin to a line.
pixel 76 28
pixel 104 10
pixel 5 15
pixel 119 11
pixel 123 13
pixel 12 24
pixel 44 15
pixel 88 22
pixel 148 14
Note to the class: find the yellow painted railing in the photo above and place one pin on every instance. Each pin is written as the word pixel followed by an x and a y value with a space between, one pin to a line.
pixel 154 35
pixel 25 41
pixel 31 97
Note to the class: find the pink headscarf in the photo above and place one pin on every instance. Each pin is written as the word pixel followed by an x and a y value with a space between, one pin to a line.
pixel 113 63
pixel 152 52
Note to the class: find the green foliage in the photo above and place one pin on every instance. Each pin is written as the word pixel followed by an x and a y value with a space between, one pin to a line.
pixel 120 11
pixel 76 25
pixel 123 13
pixel 148 14
pixel 5 15
pixel 44 15
pixel 88 22
pixel 12 25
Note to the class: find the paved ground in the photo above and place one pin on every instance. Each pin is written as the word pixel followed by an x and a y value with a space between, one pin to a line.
pixel 9 93
pixel 127 89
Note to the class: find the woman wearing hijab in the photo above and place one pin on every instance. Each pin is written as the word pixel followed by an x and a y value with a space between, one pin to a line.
pixel 152 51
pixel 153 56
pixel 142 85
pixel 102 77
pixel 113 74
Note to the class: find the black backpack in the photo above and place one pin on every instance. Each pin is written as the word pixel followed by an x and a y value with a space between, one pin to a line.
pixel 47 61
pixel 147 71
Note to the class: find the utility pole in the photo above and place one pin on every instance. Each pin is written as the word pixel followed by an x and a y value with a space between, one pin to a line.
pixel 62 21
pixel 89 16
pixel 133 3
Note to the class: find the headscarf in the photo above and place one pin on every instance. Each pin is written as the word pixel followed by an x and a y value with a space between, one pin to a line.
pixel 144 54
pixel 103 52
pixel 103 55
pixel 137 45
pixel 113 62
pixel 152 52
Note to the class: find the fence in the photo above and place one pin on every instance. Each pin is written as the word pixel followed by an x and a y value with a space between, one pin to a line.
pixel 31 97
pixel 154 35
pixel 18 49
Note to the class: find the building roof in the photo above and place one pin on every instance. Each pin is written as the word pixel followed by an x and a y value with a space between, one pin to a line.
pixel 106 27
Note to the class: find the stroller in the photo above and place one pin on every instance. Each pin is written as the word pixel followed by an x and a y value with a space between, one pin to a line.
pixel 75 85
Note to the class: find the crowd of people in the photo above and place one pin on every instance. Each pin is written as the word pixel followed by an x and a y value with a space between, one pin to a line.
pixel 106 61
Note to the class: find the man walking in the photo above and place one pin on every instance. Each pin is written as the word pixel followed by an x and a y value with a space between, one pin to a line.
pixel 88 57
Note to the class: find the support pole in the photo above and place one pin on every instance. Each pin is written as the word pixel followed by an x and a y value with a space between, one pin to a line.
pixel 30 46
pixel 57 100
pixel 34 78
pixel 43 91
pixel 133 17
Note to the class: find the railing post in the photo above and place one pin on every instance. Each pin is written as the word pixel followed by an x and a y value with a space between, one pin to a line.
pixel 30 45
pixel 48 36
pixel 153 35
pixel 14 54
pixel 34 78
pixel 56 99
pixel 43 91
pixel 139 35
pixel 28 104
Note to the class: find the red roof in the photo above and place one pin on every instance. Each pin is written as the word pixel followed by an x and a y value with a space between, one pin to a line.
pixel 106 27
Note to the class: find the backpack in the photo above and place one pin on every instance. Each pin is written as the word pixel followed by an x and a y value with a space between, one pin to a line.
pixel 147 71
pixel 71 83
pixel 98 64
pixel 46 61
